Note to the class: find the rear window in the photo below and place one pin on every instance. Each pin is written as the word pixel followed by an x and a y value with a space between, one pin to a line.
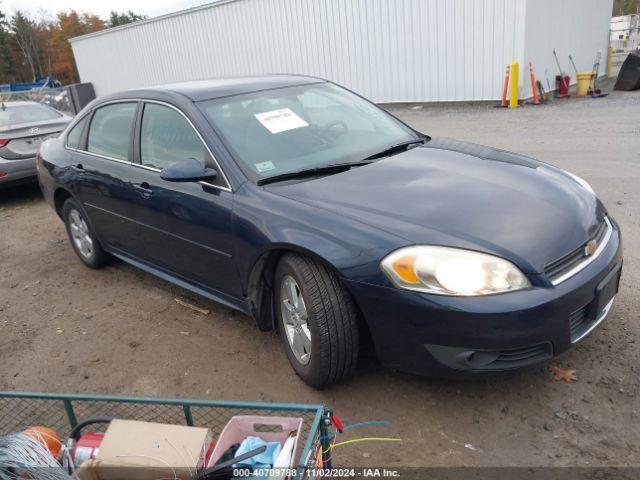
pixel 75 135
pixel 27 113
pixel 110 130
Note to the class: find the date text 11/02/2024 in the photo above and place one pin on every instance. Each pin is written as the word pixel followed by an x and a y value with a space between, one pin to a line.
pixel 319 473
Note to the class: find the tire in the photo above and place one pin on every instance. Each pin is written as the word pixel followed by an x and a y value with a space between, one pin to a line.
pixel 331 321
pixel 81 236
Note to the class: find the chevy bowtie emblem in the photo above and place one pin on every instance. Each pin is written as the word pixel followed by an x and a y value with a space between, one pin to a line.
pixel 590 248
pixel 34 130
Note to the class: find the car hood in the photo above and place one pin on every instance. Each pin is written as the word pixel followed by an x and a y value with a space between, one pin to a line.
pixel 463 195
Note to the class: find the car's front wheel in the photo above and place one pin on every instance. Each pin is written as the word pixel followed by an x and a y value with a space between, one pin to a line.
pixel 317 319
pixel 81 236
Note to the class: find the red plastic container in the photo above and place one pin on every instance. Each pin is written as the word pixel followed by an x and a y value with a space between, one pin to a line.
pixel 562 85
pixel 87 447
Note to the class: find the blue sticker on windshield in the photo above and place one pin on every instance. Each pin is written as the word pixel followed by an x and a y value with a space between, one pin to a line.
pixel 264 166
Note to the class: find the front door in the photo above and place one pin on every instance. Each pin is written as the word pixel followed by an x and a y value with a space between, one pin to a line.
pixel 192 219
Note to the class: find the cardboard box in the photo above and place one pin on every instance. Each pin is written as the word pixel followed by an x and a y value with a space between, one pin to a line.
pixel 86 471
pixel 134 450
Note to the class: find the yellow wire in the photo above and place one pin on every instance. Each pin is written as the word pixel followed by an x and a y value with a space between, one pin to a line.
pixel 335 436
pixel 369 439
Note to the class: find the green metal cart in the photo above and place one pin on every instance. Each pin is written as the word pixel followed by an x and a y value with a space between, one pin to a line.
pixel 62 412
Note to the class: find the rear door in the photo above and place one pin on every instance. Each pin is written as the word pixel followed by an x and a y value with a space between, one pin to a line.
pixel 102 173
pixel 193 218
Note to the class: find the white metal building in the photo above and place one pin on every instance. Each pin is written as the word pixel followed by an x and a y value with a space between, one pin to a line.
pixel 387 50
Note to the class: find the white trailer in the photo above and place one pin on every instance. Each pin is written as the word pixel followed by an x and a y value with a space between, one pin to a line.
pixel 387 50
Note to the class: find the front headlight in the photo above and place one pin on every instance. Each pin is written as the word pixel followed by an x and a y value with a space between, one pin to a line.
pixel 452 271
pixel 581 181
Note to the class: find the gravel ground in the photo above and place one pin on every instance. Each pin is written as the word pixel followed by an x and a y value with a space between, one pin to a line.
pixel 66 328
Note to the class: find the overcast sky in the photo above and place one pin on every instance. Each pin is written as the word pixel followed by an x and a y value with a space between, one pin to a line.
pixel 152 8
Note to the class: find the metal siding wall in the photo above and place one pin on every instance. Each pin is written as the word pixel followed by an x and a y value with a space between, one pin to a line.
pixel 387 50
pixel 576 27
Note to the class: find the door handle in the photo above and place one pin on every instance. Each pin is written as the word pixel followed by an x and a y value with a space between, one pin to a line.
pixel 144 189
pixel 78 168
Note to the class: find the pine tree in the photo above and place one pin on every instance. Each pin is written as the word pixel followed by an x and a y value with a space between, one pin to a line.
pixel 7 66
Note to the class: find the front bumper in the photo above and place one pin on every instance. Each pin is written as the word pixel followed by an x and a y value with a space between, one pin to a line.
pixel 439 335
pixel 17 171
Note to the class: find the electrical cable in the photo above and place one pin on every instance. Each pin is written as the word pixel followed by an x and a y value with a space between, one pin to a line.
pixel 367 439
pixel 149 457
pixel 330 448
pixel 27 456
pixel 77 430
pixel 359 424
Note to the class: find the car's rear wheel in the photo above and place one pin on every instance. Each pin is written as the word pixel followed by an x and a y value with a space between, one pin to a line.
pixel 81 236
pixel 317 320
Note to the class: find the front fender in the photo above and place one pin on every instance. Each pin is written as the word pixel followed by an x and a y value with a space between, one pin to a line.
pixel 266 222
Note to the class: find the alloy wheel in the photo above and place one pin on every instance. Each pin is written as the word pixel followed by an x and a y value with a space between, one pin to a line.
pixel 295 319
pixel 80 234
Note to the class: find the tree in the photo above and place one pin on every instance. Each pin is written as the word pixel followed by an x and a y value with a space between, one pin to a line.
pixel 92 23
pixel 30 49
pixel 66 26
pixel 7 66
pixel 629 7
pixel 116 18
pixel 23 32
pixel 625 7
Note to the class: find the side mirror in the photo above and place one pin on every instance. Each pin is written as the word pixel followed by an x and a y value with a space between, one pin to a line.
pixel 190 170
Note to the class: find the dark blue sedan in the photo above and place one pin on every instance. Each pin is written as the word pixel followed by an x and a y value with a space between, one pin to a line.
pixel 321 215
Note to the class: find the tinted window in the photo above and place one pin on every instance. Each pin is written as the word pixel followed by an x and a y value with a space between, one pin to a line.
pixel 287 129
pixel 166 137
pixel 110 130
pixel 26 113
pixel 75 135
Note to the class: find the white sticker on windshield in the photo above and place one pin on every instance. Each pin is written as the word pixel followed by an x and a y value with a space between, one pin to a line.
pixel 264 166
pixel 281 120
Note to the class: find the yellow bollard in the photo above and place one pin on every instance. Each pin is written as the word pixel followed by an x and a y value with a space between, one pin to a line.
pixel 514 77
pixel 610 62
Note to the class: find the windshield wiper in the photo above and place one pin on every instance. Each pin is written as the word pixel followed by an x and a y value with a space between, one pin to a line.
pixel 400 147
pixel 311 172
pixel 342 167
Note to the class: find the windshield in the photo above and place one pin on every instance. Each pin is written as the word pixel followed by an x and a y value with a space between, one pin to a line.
pixel 296 128
pixel 25 113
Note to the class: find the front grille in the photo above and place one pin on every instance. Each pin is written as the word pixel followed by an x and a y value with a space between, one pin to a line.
pixel 519 357
pixel 573 259
pixel 491 360
pixel 581 323
pixel 578 322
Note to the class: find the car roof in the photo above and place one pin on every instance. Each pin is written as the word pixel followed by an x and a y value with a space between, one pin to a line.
pixel 225 87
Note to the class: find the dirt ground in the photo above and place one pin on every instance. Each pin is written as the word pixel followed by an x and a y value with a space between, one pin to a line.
pixel 66 328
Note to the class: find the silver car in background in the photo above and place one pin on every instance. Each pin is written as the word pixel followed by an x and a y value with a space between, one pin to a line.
pixel 23 127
